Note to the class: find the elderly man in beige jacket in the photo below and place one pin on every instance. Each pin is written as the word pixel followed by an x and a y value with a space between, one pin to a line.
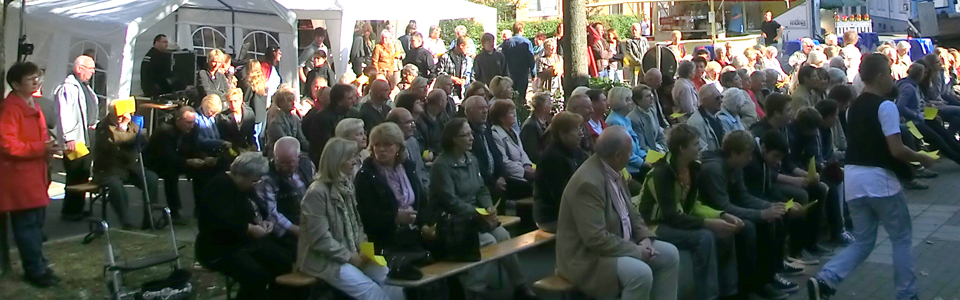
pixel 603 245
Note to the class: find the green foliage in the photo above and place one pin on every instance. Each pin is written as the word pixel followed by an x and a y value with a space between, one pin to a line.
pixel 605 84
pixel 619 22
pixel 474 29
pixel 549 27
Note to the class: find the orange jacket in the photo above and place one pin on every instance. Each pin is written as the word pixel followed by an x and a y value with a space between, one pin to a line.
pixel 23 156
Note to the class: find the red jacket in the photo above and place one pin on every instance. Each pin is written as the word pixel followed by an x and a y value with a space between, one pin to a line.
pixel 23 156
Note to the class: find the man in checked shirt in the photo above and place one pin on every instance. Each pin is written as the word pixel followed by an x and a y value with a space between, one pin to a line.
pixel 282 188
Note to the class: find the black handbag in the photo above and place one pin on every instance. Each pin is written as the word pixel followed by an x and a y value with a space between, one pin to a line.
pixel 407 254
pixel 458 238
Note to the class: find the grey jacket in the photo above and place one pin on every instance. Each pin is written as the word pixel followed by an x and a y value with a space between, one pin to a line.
pixel 457 186
pixel 722 188
pixel 685 97
pixel 319 248
pixel 645 124
pixel 514 158
pixel 77 113
pixel 709 139
pixel 414 153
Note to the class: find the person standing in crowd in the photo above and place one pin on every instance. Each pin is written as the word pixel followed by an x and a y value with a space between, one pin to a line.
pixel 269 66
pixel 235 124
pixel 319 127
pixel 457 189
pixel 79 113
pixel 670 200
pixel 403 118
pixel 362 50
pixel 705 121
pixel 321 67
pixel 534 128
pixel 213 80
pixel 286 122
pixel 519 169
pixel 115 164
pixel 851 54
pixel 770 30
pixel 25 149
pixel 320 42
pixel 174 150
pixel 434 43
pixel 155 69
pixel 420 56
pixel 408 34
pixel 281 189
pixel 620 106
pixel 603 244
pixel 518 51
pixel 872 189
pixel 633 50
pixel 490 62
pixel 386 56
pixel 644 122
pixel 458 65
pixel 549 68
pixel 391 200
pixel 375 110
pixel 684 92
pixel 254 88
pixel 234 236
pixel 559 161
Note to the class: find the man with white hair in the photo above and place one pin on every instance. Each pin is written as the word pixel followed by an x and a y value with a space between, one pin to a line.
pixel 799 57
pixel 636 47
pixel 603 242
pixel 461 31
pixel 79 112
pixel 684 92
pixel 492 168
pixel 903 50
pixel 282 188
pixel 705 120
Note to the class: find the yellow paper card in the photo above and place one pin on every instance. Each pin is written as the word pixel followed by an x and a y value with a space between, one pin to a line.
pixel 812 170
pixel 380 260
pixel 929 113
pixel 790 204
pixel 626 175
pixel 495 205
pixel 425 154
pixel 533 166
pixel 367 250
pixel 125 106
pixel 233 152
pixel 653 156
pixel 676 115
pixel 81 151
pixel 482 211
pixel 913 130
pixel 934 154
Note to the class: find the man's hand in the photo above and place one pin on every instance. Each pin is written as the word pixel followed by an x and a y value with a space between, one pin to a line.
pixel 358 260
pixel 267 225
pixel 927 161
pixel 773 213
pixel 429 233
pixel 406 216
pixel 736 221
pixel 797 211
pixel 294 230
pixel 71 146
pixel 720 227
pixel 646 247
pixel 764 35
pixel 51 147
pixel 195 163
pixel 227 145
pixel 457 80
pixel 500 184
pixel 123 120
pixel 209 161
pixel 256 231
pixel 529 173
pixel 491 212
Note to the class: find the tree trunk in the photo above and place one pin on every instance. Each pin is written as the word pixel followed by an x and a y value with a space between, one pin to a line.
pixel 3 45
pixel 574 46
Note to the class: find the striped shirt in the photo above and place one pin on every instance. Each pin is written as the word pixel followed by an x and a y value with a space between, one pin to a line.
pixel 616 184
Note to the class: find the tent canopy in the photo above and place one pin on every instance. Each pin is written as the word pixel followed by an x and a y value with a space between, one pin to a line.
pixel 341 15
pixel 120 32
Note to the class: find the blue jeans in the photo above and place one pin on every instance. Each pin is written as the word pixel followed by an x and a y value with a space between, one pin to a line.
pixel 867 213
pixel 257 130
pixel 28 233
pixel 364 284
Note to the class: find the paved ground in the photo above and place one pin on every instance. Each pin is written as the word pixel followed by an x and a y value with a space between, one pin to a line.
pixel 936 240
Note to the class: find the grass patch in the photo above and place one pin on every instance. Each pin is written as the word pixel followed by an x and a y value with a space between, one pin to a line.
pixel 81 268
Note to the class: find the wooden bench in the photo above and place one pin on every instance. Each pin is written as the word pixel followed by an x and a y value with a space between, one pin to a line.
pixel 556 284
pixel 297 279
pixel 444 269
pixel 525 202
pixel 88 187
pixel 507 221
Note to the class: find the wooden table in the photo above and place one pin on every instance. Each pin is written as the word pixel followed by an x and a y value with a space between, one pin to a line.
pixel 153 108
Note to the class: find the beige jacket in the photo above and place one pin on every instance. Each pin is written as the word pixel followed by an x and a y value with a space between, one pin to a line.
pixel 319 249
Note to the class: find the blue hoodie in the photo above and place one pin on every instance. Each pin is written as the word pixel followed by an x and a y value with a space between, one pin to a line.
pixel 910 102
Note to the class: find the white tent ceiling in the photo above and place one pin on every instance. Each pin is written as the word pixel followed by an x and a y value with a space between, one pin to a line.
pixel 340 17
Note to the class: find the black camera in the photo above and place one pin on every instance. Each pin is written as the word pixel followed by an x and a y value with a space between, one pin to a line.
pixel 25 49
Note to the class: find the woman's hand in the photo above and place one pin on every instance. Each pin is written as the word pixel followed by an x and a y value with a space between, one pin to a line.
pixel 428 233
pixel 358 260
pixel 256 231
pixel 406 216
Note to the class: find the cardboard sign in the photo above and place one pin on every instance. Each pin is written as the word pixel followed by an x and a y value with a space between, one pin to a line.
pixel 125 106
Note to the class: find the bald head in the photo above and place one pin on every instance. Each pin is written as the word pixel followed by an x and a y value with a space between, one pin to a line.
pixel 379 91
pixel 653 78
pixel 403 118
pixel 436 96
pixel 614 147
pixel 84 68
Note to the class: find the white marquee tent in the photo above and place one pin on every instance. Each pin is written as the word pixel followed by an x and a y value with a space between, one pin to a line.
pixel 120 32
pixel 341 15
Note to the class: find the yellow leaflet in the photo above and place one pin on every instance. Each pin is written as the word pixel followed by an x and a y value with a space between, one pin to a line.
pixel 367 250
pixel 534 166
pixel 81 151
pixel 125 106
pixel 913 130
pixel 929 113
pixel 676 115
pixel 426 153
pixel 653 156
pixel 482 211
pixel 790 204
pixel 934 154
pixel 380 260
pixel 626 175
pixel 812 170
pixel 233 152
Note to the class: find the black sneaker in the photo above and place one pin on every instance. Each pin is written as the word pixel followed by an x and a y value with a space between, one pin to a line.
pixel 784 285
pixel 915 185
pixel 770 292
pixel 46 280
pixel 820 251
pixel 926 173
pixel 789 269
pixel 817 289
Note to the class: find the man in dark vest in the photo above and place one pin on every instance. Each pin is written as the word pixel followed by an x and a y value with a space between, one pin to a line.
pixel 282 188
pixel 876 158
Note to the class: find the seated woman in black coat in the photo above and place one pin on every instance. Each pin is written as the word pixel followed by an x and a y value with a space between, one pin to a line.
pixel 236 123
pixel 234 236
pixel 561 158
pixel 393 208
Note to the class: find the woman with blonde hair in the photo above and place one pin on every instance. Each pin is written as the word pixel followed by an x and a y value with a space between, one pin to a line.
pixel 206 121
pixel 501 88
pixel 385 57
pixel 284 120
pixel 214 79
pixel 352 129
pixel 254 88
pixel 621 104
pixel 236 123
pixel 332 231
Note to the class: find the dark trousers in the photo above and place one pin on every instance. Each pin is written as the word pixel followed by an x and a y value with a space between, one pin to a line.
pixel 803 230
pixel 837 220
pixel 171 190
pixel 255 266
pixel 714 260
pixel 78 172
pixel 120 200
pixel 517 189
pixel 521 80
pixel 28 234
pixel 752 278
pixel 934 133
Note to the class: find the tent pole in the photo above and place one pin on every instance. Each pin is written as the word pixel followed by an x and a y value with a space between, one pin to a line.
pixel 233 27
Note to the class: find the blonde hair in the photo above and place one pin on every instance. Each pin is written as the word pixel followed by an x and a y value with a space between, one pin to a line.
pixel 214 55
pixel 255 79
pixel 620 98
pixel 336 152
pixel 389 133
pixel 234 91
pixel 212 103
pixel 284 93
pixel 499 85
pixel 348 126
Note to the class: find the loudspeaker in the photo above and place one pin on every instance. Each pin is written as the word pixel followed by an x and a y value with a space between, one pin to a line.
pixel 184 69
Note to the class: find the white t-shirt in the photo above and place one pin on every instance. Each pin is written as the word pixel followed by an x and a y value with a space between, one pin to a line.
pixel 875 182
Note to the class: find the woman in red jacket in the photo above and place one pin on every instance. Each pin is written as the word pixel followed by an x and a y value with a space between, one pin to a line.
pixel 25 147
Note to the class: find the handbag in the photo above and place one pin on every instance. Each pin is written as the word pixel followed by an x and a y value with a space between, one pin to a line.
pixel 458 238
pixel 407 254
